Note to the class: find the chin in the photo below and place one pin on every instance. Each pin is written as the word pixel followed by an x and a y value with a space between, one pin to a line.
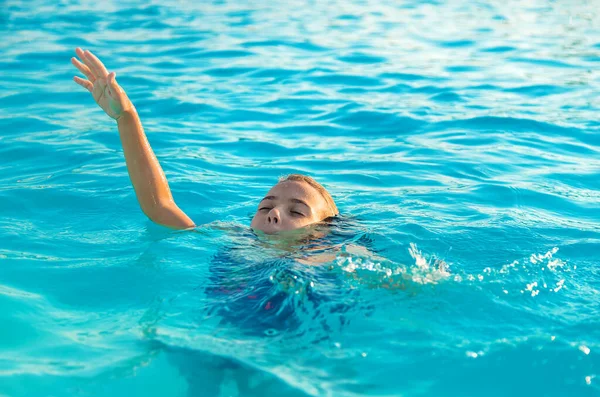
pixel 265 231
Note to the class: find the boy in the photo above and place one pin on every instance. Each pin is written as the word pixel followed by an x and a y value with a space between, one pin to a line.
pixel 295 202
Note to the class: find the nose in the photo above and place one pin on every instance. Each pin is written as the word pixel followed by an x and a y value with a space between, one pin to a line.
pixel 274 217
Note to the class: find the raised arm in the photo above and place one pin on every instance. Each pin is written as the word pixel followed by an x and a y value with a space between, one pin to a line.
pixel 148 179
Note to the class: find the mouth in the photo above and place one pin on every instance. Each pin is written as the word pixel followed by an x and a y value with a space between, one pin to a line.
pixel 301 233
pixel 265 229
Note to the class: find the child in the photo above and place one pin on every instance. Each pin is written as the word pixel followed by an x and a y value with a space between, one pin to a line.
pixel 295 202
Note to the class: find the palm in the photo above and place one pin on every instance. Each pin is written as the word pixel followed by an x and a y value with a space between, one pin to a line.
pixel 103 86
pixel 101 93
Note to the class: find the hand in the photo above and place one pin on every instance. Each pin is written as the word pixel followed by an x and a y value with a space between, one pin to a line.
pixel 103 86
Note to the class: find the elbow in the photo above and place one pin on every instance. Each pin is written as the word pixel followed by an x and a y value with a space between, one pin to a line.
pixel 168 214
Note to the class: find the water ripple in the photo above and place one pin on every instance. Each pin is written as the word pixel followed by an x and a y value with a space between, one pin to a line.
pixel 465 160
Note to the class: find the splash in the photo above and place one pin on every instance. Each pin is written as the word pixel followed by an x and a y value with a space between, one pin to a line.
pixel 377 271
pixel 540 273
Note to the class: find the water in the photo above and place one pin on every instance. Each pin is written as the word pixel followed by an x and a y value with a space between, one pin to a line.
pixel 459 139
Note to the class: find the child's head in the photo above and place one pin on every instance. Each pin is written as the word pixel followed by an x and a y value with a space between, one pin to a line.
pixel 296 201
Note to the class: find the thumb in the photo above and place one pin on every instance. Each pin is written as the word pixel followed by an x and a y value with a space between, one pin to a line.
pixel 113 87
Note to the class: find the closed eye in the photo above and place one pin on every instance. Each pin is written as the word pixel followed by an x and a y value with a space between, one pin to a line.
pixel 265 208
pixel 297 213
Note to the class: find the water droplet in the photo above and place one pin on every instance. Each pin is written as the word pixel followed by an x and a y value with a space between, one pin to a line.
pixel 584 349
pixel 363 354
pixel 588 380
pixel 337 344
pixel 552 337
pixel 531 286
pixel 472 354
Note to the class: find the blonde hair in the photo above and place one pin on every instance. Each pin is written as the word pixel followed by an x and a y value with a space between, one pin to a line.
pixel 332 210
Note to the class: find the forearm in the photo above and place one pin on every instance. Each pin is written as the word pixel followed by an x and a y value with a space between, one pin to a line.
pixel 148 179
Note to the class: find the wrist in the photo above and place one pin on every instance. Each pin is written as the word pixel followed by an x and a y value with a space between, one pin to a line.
pixel 127 114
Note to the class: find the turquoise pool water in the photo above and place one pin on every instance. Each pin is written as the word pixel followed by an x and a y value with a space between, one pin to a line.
pixel 461 141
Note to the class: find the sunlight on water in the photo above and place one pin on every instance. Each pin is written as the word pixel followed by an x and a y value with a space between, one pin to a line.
pixel 459 140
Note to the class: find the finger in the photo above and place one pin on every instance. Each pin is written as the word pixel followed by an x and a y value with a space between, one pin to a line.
pixel 84 83
pixel 89 62
pixel 96 65
pixel 81 54
pixel 83 69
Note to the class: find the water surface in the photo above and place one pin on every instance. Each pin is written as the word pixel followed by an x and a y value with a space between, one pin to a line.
pixel 459 139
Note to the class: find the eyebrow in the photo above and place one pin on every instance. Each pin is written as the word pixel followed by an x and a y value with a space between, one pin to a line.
pixel 293 200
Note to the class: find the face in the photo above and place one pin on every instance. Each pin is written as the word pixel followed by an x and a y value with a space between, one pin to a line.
pixel 289 205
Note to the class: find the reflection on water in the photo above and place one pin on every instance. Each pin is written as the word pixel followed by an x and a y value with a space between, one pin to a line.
pixel 459 140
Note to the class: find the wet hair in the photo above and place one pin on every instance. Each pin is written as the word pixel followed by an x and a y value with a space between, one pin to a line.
pixel 332 210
